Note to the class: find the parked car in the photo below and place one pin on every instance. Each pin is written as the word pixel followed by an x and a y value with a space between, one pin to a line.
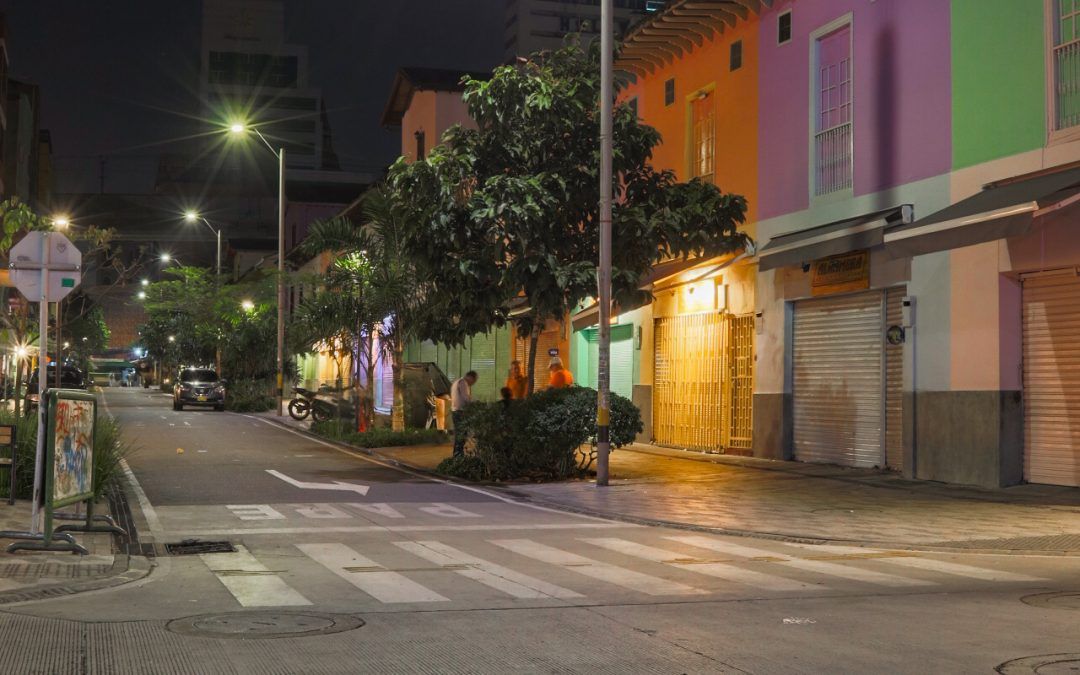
pixel 198 386
pixel 70 378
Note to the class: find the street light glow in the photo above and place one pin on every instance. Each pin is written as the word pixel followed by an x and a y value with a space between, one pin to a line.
pixel 172 338
pixel 141 295
pixel 165 257
pixel 145 282
pixel 237 128
pixel 248 305
pixel 67 345
pixel 61 222
pixel 191 216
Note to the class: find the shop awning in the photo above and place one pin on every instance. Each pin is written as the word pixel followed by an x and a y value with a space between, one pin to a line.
pixel 852 234
pixel 1002 209
pixel 657 274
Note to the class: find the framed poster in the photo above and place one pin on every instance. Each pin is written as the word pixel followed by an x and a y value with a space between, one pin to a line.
pixel 69 447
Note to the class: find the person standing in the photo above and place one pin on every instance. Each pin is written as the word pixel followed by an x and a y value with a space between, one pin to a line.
pixel 561 378
pixel 460 398
pixel 516 382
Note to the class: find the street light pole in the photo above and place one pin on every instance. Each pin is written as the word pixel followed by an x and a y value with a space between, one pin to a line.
pixel 603 439
pixel 281 281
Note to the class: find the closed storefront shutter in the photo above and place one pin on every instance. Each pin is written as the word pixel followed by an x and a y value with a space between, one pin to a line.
pixel 482 353
pixel 837 380
pixel 548 340
pixel 622 360
pixel 1052 380
pixel 692 363
pixel 894 383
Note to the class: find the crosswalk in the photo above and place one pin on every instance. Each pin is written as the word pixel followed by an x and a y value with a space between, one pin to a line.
pixel 579 569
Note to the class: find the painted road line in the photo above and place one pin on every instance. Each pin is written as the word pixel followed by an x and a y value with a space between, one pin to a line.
pixel 250 582
pixel 636 581
pixel 358 529
pixel 488 573
pixel 148 511
pixel 768 582
pixel 336 485
pixel 816 566
pixel 369 576
pixel 929 564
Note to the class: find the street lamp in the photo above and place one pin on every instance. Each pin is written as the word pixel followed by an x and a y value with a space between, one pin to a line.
pixel 194 217
pixel 238 128
pixel 141 295
pixel 145 282
pixel 172 338
pixel 247 305
pixel 165 257
pixel 61 222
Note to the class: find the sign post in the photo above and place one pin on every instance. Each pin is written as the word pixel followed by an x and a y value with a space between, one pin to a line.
pixel 46 267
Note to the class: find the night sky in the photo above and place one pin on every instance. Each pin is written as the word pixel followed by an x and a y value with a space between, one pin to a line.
pixel 119 77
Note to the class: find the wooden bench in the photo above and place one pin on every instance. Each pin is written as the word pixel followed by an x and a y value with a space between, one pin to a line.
pixel 7 442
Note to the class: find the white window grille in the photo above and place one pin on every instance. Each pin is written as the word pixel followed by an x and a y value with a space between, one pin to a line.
pixel 833 138
pixel 1066 63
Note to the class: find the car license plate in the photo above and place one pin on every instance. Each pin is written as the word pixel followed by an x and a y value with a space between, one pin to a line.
pixel 202 397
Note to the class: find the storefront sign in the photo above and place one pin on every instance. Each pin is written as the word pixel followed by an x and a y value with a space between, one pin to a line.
pixel 841 273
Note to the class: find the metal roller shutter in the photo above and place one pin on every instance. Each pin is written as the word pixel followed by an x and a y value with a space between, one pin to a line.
pixel 548 340
pixel 622 360
pixel 482 356
pixel 894 383
pixel 1052 380
pixel 690 401
pixel 838 374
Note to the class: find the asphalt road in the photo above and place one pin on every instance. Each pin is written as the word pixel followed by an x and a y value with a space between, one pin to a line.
pixel 455 579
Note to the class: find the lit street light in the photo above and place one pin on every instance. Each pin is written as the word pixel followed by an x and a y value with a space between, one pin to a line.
pixel 172 338
pixel 194 217
pixel 141 295
pixel 165 257
pixel 145 282
pixel 238 128
pixel 61 222
pixel 247 305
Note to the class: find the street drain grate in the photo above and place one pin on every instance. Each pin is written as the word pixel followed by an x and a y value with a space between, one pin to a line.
pixel 264 625
pixel 196 547
pixel 1059 600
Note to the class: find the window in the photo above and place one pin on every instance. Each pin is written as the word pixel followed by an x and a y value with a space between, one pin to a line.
pixel 1065 61
pixel 736 55
pixel 833 112
pixel 703 119
pixel 669 91
pixel 420 149
pixel 783 28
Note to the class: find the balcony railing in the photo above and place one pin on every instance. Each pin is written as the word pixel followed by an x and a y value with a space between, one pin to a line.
pixel 1067 84
pixel 832 163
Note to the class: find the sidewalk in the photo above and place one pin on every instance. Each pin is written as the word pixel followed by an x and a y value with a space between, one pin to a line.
pixel 30 575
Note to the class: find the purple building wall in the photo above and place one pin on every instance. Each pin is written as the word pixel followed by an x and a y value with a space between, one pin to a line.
pixel 902 97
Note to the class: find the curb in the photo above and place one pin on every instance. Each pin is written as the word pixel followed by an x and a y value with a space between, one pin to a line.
pixel 125 569
pixel 521 497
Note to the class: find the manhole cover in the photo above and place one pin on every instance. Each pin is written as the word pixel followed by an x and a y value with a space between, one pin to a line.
pixel 195 547
pixel 264 625
pixel 1059 600
pixel 1049 664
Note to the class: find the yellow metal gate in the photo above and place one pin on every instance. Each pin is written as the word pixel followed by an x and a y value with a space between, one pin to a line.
pixel 703 381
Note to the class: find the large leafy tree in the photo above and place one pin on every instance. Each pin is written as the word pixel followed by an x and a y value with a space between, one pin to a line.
pixel 506 214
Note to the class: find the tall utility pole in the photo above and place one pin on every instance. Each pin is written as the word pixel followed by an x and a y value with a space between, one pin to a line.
pixel 281 281
pixel 603 439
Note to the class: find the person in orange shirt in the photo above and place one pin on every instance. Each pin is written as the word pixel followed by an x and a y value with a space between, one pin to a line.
pixel 516 382
pixel 560 377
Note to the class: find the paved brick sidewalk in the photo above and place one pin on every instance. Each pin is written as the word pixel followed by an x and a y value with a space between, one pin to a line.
pixel 27 571
pixel 790 499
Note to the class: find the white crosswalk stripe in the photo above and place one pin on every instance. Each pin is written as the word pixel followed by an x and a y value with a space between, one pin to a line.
pixel 816 566
pixel 250 582
pixel 637 581
pixel 488 573
pixel 768 582
pixel 369 576
pixel 930 564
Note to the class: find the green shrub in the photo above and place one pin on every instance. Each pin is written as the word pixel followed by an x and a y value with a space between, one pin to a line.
pixel 467 467
pixel 109 449
pixel 342 430
pixel 250 396
pixel 549 435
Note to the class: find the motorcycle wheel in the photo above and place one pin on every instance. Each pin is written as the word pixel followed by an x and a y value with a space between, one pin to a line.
pixel 320 415
pixel 299 409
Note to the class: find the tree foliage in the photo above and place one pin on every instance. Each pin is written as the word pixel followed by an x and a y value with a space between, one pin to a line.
pixel 510 207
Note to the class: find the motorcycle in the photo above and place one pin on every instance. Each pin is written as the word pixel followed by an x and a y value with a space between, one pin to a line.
pixel 307 403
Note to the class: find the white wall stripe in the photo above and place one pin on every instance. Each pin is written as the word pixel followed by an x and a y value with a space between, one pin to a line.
pixel 816 566
pixel 250 582
pixel 367 575
pixel 768 582
pixel 636 581
pixel 930 564
pixel 495 576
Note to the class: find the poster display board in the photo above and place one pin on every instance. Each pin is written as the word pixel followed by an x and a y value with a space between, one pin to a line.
pixel 69 450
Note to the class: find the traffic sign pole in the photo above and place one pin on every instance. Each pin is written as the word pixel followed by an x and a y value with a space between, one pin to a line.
pixel 43 380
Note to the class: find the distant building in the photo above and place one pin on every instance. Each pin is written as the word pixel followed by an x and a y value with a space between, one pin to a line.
pixel 4 67
pixel 22 106
pixel 250 74
pixel 533 25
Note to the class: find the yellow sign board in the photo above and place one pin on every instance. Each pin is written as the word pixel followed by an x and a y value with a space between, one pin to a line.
pixel 841 273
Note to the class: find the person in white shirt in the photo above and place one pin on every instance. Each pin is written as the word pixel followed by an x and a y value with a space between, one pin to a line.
pixel 460 397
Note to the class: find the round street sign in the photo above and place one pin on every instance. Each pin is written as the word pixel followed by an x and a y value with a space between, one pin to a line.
pixel 61 258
